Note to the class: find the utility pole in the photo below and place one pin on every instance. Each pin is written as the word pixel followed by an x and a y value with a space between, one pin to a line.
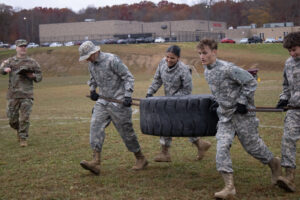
pixel 208 5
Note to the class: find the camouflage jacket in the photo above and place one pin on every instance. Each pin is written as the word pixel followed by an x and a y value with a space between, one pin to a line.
pixel 291 82
pixel 176 81
pixel 112 77
pixel 230 85
pixel 20 86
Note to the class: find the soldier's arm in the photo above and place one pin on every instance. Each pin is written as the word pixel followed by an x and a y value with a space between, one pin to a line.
pixel 123 72
pixel 247 82
pixel 285 95
pixel 4 67
pixel 156 83
pixel 92 82
pixel 37 74
pixel 187 83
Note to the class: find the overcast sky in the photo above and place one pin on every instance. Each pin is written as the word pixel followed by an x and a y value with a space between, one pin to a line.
pixel 76 5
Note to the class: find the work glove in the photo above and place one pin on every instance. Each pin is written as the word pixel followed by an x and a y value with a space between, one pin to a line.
pixel 213 107
pixel 127 102
pixel 241 108
pixel 282 103
pixel 94 95
pixel 149 95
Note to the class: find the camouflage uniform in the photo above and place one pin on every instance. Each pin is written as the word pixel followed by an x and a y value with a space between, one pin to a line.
pixel 177 81
pixel 114 81
pixel 291 92
pixel 20 92
pixel 230 85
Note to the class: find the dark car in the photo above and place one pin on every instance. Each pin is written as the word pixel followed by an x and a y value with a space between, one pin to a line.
pixel 254 39
pixel 227 40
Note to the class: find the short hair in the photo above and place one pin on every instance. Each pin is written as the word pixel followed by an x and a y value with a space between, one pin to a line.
pixel 291 40
pixel 212 44
pixel 174 49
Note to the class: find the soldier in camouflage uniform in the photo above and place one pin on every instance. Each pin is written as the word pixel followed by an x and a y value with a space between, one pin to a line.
pixel 177 80
pixel 290 96
pixel 115 81
pixel 233 89
pixel 23 71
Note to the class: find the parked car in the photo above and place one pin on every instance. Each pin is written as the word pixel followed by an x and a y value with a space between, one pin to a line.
pixel 159 40
pixel 68 44
pixel 149 40
pixel 32 45
pixel 13 46
pixel 244 41
pixel 140 40
pixel 279 40
pixel 4 45
pixel 254 39
pixel 227 40
pixel 45 44
pixel 121 41
pixel 55 44
pixel 269 40
pixel 131 40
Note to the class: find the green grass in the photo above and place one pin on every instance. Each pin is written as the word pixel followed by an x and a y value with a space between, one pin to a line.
pixel 59 139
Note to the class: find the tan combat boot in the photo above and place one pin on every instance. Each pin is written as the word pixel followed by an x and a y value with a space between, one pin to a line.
pixel 287 182
pixel 94 164
pixel 202 147
pixel 275 167
pixel 23 142
pixel 141 161
pixel 228 191
pixel 164 155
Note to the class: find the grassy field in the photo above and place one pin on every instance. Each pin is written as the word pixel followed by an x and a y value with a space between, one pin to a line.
pixel 59 138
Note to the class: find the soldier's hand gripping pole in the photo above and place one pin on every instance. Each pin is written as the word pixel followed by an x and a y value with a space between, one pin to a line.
pixel 273 109
pixel 116 100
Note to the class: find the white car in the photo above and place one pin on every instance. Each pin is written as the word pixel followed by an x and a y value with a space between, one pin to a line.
pixel 244 41
pixel 159 40
pixel 32 45
pixel 55 44
pixel 68 44
pixel 270 40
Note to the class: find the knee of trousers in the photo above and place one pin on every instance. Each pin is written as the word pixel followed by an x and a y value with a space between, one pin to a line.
pixel 14 124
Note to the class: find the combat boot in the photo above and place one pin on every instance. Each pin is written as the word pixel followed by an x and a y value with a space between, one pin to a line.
pixel 141 161
pixel 228 191
pixel 287 182
pixel 202 147
pixel 23 142
pixel 275 167
pixel 164 155
pixel 94 164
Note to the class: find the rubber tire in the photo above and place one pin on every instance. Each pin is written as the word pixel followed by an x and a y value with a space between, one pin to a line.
pixel 178 116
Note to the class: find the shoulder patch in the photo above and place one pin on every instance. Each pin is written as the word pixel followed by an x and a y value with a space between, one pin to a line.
pixel 241 75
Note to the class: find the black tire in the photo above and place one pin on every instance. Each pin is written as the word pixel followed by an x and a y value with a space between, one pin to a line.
pixel 178 116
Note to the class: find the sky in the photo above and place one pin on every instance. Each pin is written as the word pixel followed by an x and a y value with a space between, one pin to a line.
pixel 77 5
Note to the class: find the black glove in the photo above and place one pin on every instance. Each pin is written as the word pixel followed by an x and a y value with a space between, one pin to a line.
pixel 149 95
pixel 282 103
pixel 213 107
pixel 94 95
pixel 241 108
pixel 127 101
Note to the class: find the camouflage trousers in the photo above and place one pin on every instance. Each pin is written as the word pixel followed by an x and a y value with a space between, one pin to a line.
pixel 18 112
pixel 121 118
pixel 246 129
pixel 289 139
pixel 167 141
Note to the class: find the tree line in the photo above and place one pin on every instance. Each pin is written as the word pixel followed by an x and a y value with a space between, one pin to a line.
pixel 24 23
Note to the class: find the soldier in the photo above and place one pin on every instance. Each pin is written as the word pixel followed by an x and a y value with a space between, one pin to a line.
pixel 177 80
pixel 22 72
pixel 115 81
pixel 233 89
pixel 290 96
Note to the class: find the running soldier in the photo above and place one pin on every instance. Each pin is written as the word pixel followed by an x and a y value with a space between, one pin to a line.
pixel 115 81
pixel 23 71
pixel 290 96
pixel 177 80
pixel 233 89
